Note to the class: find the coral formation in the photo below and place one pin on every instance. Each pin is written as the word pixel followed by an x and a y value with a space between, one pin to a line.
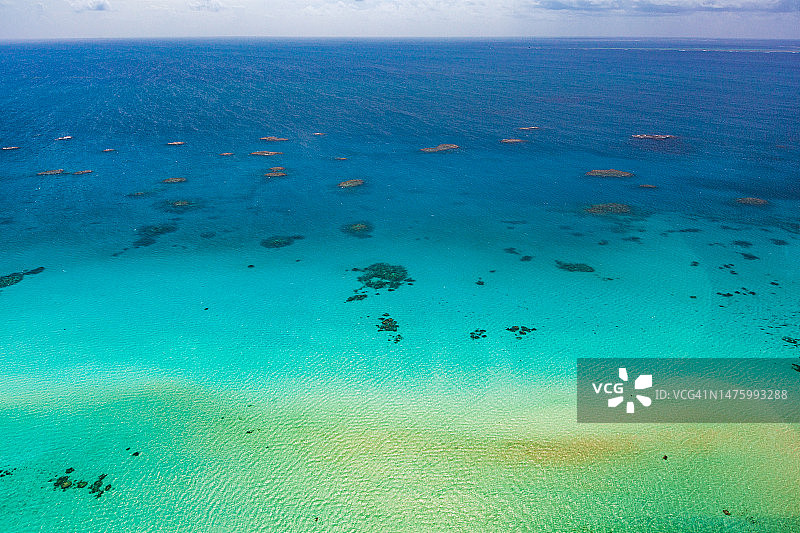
pixel 609 173
pixel 149 233
pixel 380 275
pixel 16 277
pixel 279 241
pixel 360 229
pixel 346 184
pixel 11 279
pixel 608 209
pixel 478 334
pixel 440 148
pixel 574 267
pixel 653 137
pixel 177 206
pixel 750 200
pixel 520 331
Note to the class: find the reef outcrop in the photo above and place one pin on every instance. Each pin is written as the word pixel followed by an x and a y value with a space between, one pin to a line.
pixel 360 229
pixel 16 277
pixel 574 267
pixel 346 184
pixel 439 148
pixel 653 137
pixel 380 275
pixel 280 241
pixel 609 173
pixel 608 209
pixel 751 200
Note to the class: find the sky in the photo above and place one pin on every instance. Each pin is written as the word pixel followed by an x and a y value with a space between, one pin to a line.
pixel 56 19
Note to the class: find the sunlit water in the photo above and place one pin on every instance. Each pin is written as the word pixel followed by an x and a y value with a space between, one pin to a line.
pixel 221 385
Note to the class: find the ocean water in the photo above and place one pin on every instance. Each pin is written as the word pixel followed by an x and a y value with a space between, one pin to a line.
pixel 220 385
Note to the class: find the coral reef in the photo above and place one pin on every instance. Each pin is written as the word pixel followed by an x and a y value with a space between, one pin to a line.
pixel 360 229
pixel 16 277
pixel 149 233
pixel 11 279
pixel 388 324
pixel 750 200
pixel 96 488
pixel 574 267
pixel 653 137
pixel 279 241
pixel 478 334
pixel 439 148
pixel 520 331
pixel 608 209
pixel 380 275
pixel 609 173
pixel 346 184
pixel 177 206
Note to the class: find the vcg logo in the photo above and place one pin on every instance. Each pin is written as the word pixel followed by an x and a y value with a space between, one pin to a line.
pixel 644 381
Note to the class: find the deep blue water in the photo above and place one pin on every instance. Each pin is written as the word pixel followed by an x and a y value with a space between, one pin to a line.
pixel 732 105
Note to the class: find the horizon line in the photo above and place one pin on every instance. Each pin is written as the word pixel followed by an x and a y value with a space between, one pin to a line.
pixel 392 38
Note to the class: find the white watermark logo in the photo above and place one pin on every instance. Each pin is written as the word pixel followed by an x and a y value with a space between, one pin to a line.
pixel 644 381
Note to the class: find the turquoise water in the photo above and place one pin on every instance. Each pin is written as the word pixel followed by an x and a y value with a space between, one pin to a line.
pixel 260 399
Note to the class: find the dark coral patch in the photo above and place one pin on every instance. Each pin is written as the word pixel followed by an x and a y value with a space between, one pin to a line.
pixel 361 229
pixel 279 241
pixel 574 267
pixel 380 275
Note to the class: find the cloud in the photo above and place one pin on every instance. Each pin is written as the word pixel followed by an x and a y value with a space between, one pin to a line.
pixel 670 6
pixel 206 5
pixel 91 5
